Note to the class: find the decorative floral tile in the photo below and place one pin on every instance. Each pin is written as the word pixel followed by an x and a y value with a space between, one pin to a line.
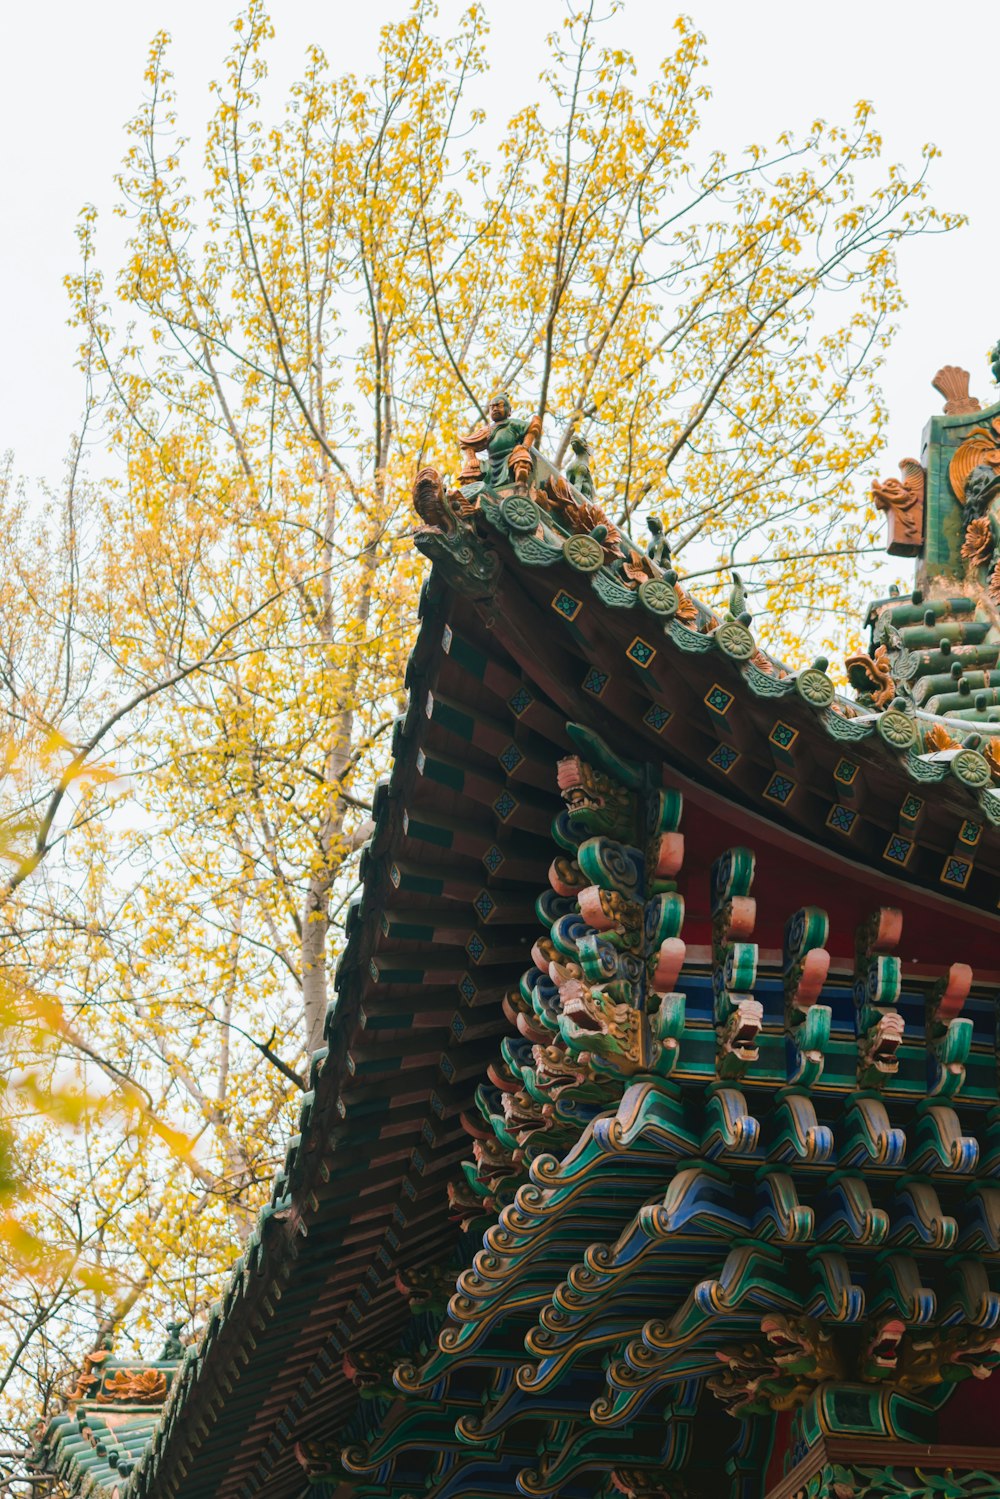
pixel 724 757
pixel 467 988
pixel 845 771
pixel 505 805
pixel 718 699
pixel 565 604
pixel 898 850
pixel 783 735
pixel 912 807
pixel 842 819
pixel 595 681
pixel 510 758
pixel 641 652
pixel 956 872
pixel 970 833
pixel 780 789
pixel 657 717
pixel 485 904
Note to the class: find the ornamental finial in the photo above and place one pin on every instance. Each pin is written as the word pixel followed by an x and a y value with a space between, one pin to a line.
pixel 953 383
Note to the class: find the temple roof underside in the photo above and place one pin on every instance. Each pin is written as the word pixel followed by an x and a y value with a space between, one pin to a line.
pixel 655 1146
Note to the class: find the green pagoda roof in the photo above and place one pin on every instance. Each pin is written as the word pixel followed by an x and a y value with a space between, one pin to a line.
pixel 656 1139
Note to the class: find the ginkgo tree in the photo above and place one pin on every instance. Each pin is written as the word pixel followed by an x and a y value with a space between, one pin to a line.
pixel 203 637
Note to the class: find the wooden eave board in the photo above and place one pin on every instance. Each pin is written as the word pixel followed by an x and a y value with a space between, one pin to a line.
pixel 326 1245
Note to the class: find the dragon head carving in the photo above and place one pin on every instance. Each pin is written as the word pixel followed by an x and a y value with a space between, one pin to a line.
pixel 596 803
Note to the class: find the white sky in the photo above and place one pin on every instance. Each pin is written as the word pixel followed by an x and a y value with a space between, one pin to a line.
pixel 71 75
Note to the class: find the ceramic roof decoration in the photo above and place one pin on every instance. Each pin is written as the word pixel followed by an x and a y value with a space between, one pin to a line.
pixel 110 1418
pixel 655 1146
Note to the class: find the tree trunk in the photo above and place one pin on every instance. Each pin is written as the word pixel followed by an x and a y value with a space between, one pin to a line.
pixel 315 925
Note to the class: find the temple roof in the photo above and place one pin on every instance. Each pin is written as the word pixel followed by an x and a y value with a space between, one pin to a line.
pixel 110 1418
pixel 538 617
